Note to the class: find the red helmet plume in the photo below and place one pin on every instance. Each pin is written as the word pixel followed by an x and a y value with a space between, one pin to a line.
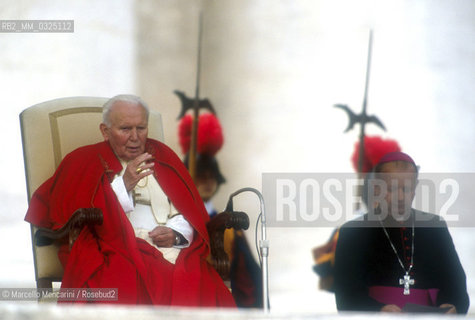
pixel 375 148
pixel 210 134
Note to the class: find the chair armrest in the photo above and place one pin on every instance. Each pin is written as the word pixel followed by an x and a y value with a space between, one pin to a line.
pixel 79 219
pixel 216 227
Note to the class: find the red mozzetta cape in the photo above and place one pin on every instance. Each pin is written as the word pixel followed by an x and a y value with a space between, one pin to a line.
pixel 115 258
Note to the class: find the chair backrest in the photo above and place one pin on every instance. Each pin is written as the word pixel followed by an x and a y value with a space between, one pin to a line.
pixel 50 130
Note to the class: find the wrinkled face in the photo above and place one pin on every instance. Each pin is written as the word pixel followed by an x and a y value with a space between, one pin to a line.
pixel 128 130
pixel 399 188
pixel 206 184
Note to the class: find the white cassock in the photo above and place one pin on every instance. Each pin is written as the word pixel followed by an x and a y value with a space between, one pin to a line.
pixel 151 209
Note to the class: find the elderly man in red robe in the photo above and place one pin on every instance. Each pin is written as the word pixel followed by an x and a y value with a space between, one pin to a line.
pixel 153 243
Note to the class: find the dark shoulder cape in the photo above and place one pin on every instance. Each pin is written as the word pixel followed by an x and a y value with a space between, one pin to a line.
pixel 364 260
pixel 114 257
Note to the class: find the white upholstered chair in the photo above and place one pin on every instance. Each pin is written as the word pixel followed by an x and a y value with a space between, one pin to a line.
pixel 50 130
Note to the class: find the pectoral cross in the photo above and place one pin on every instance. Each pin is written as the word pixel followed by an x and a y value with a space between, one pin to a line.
pixel 406 281
pixel 135 195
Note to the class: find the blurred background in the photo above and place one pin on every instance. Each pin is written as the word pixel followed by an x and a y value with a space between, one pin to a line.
pixel 272 69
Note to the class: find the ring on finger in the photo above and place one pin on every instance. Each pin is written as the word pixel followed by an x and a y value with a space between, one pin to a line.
pixel 138 170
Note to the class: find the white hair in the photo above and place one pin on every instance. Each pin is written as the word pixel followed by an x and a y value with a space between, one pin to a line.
pixel 106 109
